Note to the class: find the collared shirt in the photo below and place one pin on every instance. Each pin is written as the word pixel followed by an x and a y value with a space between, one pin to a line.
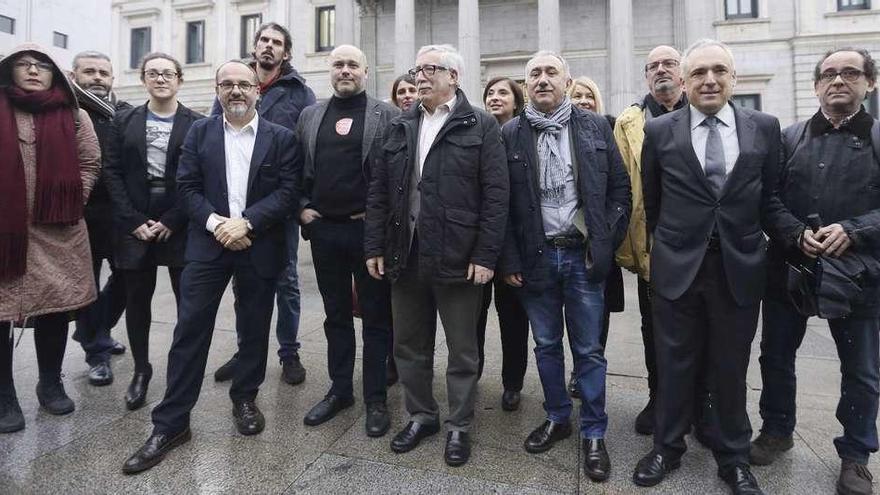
pixel 727 130
pixel 239 147
pixel 430 127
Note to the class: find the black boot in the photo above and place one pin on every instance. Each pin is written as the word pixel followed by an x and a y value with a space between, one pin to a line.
pixel 136 395
pixel 11 418
pixel 52 397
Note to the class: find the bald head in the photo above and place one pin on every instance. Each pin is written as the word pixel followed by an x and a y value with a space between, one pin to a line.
pixel 237 68
pixel 348 70
pixel 663 74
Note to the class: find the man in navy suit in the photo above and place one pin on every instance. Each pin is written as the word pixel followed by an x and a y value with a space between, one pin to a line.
pixel 709 172
pixel 236 200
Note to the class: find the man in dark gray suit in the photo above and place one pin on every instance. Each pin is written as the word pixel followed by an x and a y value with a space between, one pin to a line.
pixel 709 172
pixel 337 136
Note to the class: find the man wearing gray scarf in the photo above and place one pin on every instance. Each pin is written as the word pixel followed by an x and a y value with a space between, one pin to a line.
pixel 569 209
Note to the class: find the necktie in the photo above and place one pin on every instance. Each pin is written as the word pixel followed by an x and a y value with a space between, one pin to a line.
pixel 716 171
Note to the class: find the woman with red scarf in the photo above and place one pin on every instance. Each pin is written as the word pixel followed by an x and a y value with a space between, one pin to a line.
pixel 49 161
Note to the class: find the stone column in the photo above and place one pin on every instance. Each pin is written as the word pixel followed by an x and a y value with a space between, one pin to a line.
pixel 404 35
pixel 699 16
pixel 345 17
pixel 469 46
pixel 299 18
pixel 548 26
pixel 679 24
pixel 620 55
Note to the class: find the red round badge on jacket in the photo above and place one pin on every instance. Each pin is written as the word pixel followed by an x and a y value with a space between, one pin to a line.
pixel 343 126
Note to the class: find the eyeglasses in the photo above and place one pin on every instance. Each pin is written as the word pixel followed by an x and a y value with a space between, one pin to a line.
pixel 244 86
pixel 668 63
pixel 26 66
pixel 168 75
pixel 848 75
pixel 429 69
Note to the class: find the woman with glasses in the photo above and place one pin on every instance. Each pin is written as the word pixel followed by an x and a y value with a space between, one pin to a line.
pixel 585 94
pixel 140 169
pixel 404 93
pixel 49 161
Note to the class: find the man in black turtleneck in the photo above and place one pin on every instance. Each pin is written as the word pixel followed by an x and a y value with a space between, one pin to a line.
pixel 337 136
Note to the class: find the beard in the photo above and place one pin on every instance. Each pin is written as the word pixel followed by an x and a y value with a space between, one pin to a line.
pixel 268 63
pixel 98 90
pixel 236 109
pixel 665 87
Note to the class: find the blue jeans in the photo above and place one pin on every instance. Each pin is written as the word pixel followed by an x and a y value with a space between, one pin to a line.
pixel 288 299
pixel 94 322
pixel 569 302
pixel 858 347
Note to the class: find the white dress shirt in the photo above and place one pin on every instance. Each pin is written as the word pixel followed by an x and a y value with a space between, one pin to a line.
pixel 239 146
pixel 430 127
pixel 727 130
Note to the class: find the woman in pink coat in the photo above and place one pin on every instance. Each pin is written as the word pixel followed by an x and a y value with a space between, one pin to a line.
pixel 49 161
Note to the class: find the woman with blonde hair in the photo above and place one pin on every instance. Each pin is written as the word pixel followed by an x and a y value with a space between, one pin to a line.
pixel 584 94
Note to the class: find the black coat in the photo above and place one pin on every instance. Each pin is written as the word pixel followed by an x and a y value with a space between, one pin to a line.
pixel 125 173
pixel 463 191
pixel 682 209
pixel 603 187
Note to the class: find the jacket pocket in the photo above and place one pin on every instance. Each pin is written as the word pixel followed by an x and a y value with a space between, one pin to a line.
pixel 461 155
pixel 751 242
pixel 668 236
pixel 459 238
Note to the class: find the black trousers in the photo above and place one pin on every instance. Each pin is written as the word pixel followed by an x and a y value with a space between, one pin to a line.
pixel 704 326
pixel 50 341
pixel 139 288
pixel 338 254
pixel 201 287
pixel 514 323
pixel 644 290
pixel 93 323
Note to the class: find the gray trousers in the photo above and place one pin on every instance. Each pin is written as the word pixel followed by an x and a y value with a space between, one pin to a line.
pixel 415 305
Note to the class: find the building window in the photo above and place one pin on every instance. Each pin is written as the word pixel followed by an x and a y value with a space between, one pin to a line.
pixel 853 4
pixel 249 26
pixel 325 28
pixel 195 42
pixel 740 9
pixel 752 101
pixel 7 24
pixel 872 105
pixel 59 39
pixel 140 46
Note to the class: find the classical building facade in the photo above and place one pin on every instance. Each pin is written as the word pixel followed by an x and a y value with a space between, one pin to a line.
pixel 776 42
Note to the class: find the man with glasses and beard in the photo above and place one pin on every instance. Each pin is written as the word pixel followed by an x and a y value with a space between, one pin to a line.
pixel 283 95
pixel 93 74
pixel 237 202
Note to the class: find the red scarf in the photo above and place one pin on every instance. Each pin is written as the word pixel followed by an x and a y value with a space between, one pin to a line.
pixel 58 197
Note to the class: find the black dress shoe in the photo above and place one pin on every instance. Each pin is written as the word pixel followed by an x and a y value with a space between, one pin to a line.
pixel 248 418
pixel 327 409
pixel 136 395
pixel 573 389
pixel 542 438
pixel 53 398
pixel 100 374
pixel 411 436
pixel 510 400
pixel 116 349
pixel 652 468
pixel 11 418
pixel 378 421
pixel 154 450
pixel 292 371
pixel 645 419
pixel 458 448
pixel 597 465
pixel 740 479
pixel 227 371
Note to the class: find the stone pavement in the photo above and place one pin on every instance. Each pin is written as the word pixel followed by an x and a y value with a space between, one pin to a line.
pixel 83 452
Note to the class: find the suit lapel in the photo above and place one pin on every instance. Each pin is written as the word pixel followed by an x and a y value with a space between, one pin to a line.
pixel 139 129
pixel 745 133
pixel 371 123
pixel 682 135
pixel 220 175
pixel 175 140
pixel 261 147
pixel 312 138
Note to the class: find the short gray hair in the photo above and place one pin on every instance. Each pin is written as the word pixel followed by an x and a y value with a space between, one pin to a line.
pixel 705 43
pixel 549 53
pixel 449 56
pixel 89 54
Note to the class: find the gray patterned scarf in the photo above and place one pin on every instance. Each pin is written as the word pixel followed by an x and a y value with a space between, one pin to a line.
pixel 549 128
